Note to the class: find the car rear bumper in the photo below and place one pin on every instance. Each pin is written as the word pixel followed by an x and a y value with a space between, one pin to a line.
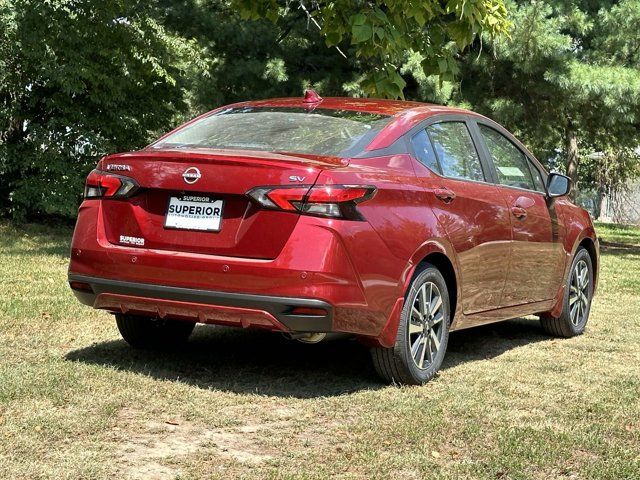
pixel 205 306
pixel 317 263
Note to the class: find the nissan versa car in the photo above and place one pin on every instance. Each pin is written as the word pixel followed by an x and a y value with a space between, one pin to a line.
pixel 394 222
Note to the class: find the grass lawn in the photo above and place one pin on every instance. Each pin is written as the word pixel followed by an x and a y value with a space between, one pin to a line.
pixel 510 402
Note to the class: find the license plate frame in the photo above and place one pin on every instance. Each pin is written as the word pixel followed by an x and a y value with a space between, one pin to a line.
pixel 188 218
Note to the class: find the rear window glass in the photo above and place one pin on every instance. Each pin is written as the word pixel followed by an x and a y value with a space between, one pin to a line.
pixel 290 130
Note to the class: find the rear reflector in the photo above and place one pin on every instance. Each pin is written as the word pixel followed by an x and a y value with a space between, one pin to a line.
pixel 101 184
pixel 81 286
pixel 312 312
pixel 334 201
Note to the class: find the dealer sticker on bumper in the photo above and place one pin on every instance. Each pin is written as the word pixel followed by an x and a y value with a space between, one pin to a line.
pixel 194 212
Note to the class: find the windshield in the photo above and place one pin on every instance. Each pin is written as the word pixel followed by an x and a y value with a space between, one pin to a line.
pixel 338 133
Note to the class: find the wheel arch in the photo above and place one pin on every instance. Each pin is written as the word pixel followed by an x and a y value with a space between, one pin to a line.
pixel 445 266
pixel 439 254
pixel 590 246
pixel 587 239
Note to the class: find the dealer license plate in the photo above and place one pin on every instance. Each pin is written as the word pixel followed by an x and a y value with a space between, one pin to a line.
pixel 194 212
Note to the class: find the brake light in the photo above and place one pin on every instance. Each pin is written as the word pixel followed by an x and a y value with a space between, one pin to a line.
pixel 101 184
pixel 334 201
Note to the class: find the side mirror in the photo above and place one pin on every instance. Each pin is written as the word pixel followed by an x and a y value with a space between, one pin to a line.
pixel 558 185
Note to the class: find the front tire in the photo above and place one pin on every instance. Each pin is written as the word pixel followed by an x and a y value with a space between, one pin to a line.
pixel 153 333
pixel 423 333
pixel 576 301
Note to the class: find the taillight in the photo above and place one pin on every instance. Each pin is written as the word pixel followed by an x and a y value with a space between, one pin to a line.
pixel 101 184
pixel 334 201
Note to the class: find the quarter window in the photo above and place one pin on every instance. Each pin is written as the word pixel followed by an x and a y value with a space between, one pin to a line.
pixel 512 166
pixel 456 155
pixel 537 178
pixel 424 151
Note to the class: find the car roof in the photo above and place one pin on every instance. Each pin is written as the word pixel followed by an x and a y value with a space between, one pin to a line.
pixel 370 105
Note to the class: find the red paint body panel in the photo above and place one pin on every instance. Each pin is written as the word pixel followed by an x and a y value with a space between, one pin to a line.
pixel 537 249
pixel 503 266
pixel 248 231
pixel 478 226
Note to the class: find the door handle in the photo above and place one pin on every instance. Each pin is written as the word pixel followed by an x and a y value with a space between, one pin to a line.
pixel 444 194
pixel 519 212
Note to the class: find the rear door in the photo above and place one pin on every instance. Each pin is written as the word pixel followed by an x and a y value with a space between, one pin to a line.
pixel 469 207
pixel 537 256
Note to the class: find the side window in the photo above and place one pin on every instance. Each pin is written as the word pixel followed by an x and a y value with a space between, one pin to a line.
pixel 424 151
pixel 538 182
pixel 511 164
pixel 455 152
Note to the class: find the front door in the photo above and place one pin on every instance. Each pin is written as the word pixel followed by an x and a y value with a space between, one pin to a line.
pixel 472 211
pixel 537 258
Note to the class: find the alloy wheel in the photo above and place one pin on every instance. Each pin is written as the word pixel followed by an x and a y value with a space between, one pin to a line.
pixel 579 293
pixel 426 325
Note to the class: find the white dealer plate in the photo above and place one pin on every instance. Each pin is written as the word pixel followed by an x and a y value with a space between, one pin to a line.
pixel 194 212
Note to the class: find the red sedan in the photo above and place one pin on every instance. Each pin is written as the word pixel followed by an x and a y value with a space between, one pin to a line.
pixel 395 222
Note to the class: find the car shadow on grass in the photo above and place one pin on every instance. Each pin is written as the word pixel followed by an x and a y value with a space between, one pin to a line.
pixel 619 249
pixel 254 362
pixel 490 341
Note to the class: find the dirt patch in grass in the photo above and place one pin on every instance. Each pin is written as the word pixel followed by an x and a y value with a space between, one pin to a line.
pixel 148 449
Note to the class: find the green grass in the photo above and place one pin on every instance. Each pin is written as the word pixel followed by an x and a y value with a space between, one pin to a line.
pixel 76 402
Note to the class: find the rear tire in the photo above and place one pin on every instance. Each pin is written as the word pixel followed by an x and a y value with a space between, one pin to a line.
pixel 153 333
pixel 423 333
pixel 576 301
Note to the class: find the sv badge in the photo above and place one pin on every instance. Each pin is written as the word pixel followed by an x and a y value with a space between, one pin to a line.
pixel 295 178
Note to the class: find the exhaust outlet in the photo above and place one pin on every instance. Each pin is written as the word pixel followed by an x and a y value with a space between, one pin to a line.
pixel 312 337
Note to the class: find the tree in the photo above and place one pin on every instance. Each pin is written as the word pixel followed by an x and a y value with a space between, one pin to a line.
pixel 379 34
pixel 253 58
pixel 78 79
pixel 566 79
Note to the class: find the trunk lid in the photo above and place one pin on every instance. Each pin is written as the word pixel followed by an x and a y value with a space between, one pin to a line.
pixel 245 229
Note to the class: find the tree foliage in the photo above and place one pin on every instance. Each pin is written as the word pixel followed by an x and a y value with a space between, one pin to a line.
pixel 79 78
pixel 379 33
pixel 248 59
pixel 566 79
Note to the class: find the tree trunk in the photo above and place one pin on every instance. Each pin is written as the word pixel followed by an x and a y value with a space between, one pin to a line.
pixel 14 132
pixel 571 152
pixel 12 135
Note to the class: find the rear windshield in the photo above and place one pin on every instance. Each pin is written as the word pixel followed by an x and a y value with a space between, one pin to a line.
pixel 339 133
